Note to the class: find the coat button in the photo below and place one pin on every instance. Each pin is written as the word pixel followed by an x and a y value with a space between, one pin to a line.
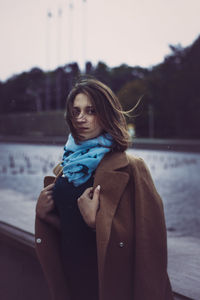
pixel 121 244
pixel 38 241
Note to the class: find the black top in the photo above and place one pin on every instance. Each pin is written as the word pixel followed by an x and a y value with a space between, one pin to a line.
pixel 79 253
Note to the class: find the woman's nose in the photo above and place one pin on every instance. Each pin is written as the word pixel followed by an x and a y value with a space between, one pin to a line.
pixel 81 117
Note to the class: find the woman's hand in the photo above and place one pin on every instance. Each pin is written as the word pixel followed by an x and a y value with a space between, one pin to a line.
pixel 45 206
pixel 88 204
pixel 45 203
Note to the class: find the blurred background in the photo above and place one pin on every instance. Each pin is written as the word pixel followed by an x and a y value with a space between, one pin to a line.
pixel 140 48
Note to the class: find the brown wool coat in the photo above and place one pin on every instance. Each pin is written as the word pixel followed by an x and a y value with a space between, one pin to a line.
pixel 130 234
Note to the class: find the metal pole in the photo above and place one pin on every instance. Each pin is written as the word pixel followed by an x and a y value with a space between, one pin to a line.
pixel 84 34
pixel 58 74
pixel 47 81
pixel 70 30
pixel 59 23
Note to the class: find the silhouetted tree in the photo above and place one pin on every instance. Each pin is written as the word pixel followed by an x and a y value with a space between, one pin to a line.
pixel 171 89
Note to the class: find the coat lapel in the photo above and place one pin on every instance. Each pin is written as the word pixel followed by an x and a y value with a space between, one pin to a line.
pixel 113 182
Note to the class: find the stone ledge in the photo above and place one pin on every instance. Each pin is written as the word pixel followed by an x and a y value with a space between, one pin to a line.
pixel 184 266
pixel 21 276
pixel 16 237
pixel 138 143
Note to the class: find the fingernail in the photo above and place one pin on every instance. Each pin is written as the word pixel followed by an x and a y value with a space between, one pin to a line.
pixel 98 187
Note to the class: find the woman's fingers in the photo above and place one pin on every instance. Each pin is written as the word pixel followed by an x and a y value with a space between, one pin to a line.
pixel 51 204
pixel 88 204
pixel 49 187
pixel 45 201
pixel 49 198
pixel 96 193
pixel 88 192
pixel 48 193
pixel 91 193
pixel 95 197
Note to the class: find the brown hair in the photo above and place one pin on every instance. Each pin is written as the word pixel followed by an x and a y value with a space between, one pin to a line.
pixel 108 110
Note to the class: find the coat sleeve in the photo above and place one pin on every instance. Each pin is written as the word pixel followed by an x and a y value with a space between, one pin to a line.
pixel 150 272
pixel 48 250
pixel 47 246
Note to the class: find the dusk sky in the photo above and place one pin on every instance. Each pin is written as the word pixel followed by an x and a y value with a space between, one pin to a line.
pixel 48 33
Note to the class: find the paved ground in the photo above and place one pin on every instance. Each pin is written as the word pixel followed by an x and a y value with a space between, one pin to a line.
pixel 184 265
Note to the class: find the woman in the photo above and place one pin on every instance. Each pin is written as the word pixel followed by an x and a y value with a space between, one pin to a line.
pixel 100 228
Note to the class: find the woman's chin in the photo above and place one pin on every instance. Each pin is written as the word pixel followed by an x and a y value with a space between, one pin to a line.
pixel 85 137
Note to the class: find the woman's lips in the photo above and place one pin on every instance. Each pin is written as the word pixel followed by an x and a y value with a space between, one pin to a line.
pixel 83 128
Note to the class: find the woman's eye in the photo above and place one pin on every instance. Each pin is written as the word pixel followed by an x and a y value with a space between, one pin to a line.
pixel 88 111
pixel 91 111
pixel 75 112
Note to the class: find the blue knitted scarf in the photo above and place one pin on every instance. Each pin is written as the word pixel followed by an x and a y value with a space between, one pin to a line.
pixel 80 160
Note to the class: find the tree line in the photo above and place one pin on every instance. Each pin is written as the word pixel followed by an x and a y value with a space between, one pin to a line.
pixel 170 91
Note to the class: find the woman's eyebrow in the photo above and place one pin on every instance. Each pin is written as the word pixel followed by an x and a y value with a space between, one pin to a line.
pixel 88 106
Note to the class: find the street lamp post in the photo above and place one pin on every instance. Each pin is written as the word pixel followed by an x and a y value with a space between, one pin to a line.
pixel 58 73
pixel 47 80
pixel 84 34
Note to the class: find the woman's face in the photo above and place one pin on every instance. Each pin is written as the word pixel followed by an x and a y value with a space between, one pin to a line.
pixel 85 119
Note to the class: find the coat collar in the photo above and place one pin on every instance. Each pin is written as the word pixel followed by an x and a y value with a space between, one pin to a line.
pixel 113 161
